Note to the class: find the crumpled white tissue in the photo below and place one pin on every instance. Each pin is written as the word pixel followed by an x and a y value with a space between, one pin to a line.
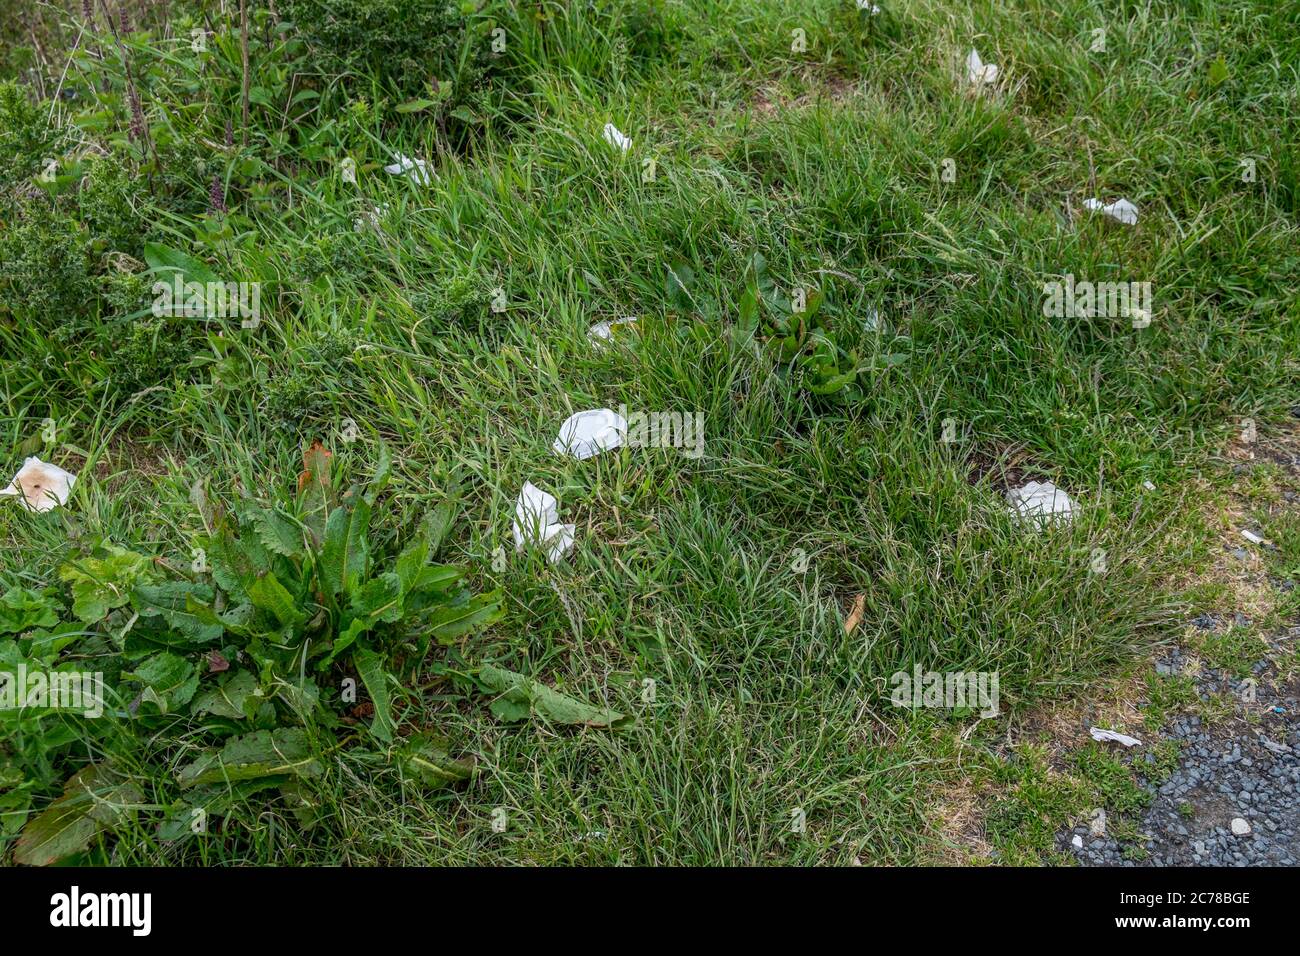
pixel 537 522
pixel 588 433
pixel 980 72
pixel 616 138
pixel 604 331
pixel 1041 502
pixel 1125 739
pixel 40 486
pixel 416 169
pixel 1120 210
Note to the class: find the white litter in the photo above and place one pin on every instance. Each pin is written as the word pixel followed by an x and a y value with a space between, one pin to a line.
pixel 979 72
pixel 416 169
pixel 40 486
pixel 1240 827
pixel 1077 842
pixel 1125 739
pixel 868 6
pixel 588 433
pixel 1120 210
pixel 616 138
pixel 1042 503
pixel 604 331
pixel 1148 486
pixel 537 522
pixel 1252 537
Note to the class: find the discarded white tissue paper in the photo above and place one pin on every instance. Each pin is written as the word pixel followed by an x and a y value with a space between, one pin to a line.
pixel 416 169
pixel 537 522
pixel 1077 842
pixel 1100 735
pixel 1252 537
pixel 604 331
pixel 1042 503
pixel 979 72
pixel 1148 486
pixel 588 433
pixel 1120 210
pixel 616 138
pixel 39 486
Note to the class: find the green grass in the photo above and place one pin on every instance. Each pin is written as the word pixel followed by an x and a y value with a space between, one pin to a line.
pixel 827 164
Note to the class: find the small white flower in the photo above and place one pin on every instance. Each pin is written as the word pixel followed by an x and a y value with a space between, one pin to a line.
pixel 416 169
pixel 868 6
pixel 979 72
pixel 371 218
pixel 537 522
pixel 1120 210
pixel 616 138
pixel 588 433
pixel 39 486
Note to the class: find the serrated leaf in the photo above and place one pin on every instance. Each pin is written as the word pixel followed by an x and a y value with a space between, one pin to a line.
pixel 277 532
pixel 266 593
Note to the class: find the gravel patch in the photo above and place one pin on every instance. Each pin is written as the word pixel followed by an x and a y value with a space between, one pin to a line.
pixel 1234 799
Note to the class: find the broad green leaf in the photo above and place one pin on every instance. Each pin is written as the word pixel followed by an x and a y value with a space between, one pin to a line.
pixel 449 623
pixel 230 698
pixel 264 753
pixel 370 667
pixel 94 799
pixel 166 260
pixel 267 594
pixel 379 599
pixel 22 609
pixel 169 681
pixel 523 695
pixel 278 533
pixel 101 584
pixel 185 606
pixel 345 554
pixel 425 757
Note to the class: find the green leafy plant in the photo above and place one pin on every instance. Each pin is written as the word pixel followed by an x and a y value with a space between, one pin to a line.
pixel 223 674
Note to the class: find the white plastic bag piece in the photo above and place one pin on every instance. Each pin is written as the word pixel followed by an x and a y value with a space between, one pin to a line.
pixel 1042 503
pixel 979 72
pixel 588 433
pixel 1102 735
pixel 537 522
pixel 40 486
pixel 416 169
pixel 604 331
pixel 616 138
pixel 1120 210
